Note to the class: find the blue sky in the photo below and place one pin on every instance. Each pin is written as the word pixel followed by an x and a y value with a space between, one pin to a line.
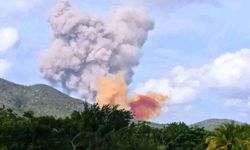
pixel 189 38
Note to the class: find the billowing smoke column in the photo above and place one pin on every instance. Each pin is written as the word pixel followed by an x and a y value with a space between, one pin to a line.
pixel 113 90
pixel 95 58
pixel 85 47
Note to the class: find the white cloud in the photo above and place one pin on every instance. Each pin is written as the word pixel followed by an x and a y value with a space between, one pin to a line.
pixel 8 38
pixel 13 6
pixel 177 95
pixel 241 106
pixel 179 3
pixel 227 76
pixel 171 3
pixel 232 102
pixel 4 66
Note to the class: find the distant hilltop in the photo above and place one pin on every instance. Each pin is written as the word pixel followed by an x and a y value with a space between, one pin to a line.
pixel 211 124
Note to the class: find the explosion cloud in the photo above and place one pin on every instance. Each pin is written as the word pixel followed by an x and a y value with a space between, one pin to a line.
pixel 85 47
pixel 147 106
pixel 113 90
pixel 144 107
pixel 94 57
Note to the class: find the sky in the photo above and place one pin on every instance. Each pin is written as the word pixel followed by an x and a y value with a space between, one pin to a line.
pixel 198 52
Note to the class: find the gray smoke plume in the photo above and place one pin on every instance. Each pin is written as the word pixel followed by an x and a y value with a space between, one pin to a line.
pixel 86 47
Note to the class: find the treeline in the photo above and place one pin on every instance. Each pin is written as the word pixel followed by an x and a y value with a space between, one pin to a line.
pixel 108 128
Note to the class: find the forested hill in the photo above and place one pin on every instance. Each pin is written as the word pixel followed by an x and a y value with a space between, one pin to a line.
pixel 41 99
pixel 211 124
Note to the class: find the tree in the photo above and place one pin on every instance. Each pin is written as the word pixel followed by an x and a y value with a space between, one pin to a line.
pixel 109 128
pixel 179 136
pixel 229 137
pixel 138 136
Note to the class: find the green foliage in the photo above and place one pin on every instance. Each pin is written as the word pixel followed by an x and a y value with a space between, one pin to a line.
pixel 108 128
pixel 178 136
pixel 230 137
pixel 90 129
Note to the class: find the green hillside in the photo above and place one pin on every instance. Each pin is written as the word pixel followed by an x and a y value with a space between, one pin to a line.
pixel 41 99
pixel 211 124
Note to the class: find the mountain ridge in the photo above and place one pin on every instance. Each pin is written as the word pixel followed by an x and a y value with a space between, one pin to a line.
pixel 211 124
pixel 40 98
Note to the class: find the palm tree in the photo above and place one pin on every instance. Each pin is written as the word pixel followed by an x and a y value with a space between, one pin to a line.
pixel 244 132
pixel 229 137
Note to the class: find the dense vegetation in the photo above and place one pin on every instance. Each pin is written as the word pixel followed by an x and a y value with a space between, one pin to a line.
pixel 108 128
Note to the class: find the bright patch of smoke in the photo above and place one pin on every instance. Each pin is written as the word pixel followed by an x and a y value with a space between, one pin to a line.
pixel 86 47
pixel 113 90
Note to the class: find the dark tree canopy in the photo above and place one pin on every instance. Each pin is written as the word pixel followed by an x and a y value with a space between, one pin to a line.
pixel 101 128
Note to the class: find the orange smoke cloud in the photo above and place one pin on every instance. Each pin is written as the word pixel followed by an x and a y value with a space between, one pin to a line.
pixel 113 90
pixel 147 106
